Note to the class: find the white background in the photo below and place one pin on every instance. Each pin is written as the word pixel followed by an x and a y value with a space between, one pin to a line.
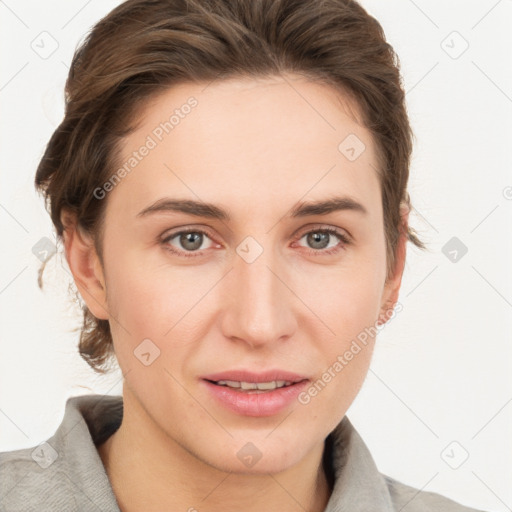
pixel 441 370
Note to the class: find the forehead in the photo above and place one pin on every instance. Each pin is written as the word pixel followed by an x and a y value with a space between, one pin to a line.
pixel 247 141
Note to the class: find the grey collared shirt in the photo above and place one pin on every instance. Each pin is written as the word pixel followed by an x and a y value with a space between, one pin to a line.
pixel 66 472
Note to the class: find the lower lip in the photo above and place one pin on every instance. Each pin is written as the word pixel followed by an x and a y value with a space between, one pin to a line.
pixel 267 403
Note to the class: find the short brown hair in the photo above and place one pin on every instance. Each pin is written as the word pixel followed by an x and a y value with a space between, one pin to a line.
pixel 143 47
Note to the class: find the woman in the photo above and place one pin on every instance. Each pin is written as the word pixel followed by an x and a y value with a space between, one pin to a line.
pixel 230 185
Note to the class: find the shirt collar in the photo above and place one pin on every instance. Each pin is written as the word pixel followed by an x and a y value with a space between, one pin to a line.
pixel 359 486
pixel 88 420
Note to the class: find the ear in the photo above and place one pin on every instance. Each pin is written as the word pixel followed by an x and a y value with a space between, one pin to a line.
pixel 85 266
pixel 392 286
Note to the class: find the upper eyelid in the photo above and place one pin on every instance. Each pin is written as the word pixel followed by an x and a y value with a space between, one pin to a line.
pixel 169 235
pixel 191 229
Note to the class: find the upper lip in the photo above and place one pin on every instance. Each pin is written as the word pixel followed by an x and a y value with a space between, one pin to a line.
pixel 248 376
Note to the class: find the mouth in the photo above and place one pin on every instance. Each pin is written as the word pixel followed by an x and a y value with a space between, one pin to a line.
pixel 253 387
pixel 255 394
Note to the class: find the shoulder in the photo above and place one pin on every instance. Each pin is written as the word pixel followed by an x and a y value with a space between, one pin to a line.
pixel 28 477
pixel 416 500
pixel 360 486
pixel 65 472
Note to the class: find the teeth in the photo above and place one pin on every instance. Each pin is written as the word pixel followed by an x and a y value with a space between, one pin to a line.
pixel 264 386
pixel 230 383
pixel 248 385
pixel 273 384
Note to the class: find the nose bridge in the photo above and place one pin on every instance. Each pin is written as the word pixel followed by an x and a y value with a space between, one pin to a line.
pixel 260 308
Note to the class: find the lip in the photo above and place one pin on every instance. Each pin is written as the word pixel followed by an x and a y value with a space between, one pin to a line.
pixel 267 403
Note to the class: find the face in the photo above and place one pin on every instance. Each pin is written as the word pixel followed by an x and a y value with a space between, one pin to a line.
pixel 253 284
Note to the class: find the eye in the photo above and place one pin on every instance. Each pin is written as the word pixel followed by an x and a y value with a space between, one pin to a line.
pixel 323 241
pixel 188 241
pixel 191 242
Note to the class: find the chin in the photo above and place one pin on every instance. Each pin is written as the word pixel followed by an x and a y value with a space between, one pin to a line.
pixel 249 459
pixel 262 467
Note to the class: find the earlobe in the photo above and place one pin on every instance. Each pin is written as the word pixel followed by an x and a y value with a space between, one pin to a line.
pixel 85 266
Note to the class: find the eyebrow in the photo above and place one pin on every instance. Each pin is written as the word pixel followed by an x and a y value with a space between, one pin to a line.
pixel 209 210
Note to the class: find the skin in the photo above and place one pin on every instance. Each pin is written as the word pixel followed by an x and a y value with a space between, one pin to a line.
pixel 255 148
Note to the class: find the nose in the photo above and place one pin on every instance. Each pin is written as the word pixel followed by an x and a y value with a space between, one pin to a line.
pixel 259 302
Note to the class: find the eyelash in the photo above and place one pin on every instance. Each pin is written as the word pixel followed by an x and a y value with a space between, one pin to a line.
pixel 312 252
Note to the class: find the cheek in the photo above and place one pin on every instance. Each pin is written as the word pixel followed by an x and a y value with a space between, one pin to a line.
pixel 140 290
pixel 347 301
pixel 349 306
pixel 159 303
pixel 345 357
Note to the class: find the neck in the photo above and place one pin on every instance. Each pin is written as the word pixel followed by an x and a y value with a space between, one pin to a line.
pixel 148 470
